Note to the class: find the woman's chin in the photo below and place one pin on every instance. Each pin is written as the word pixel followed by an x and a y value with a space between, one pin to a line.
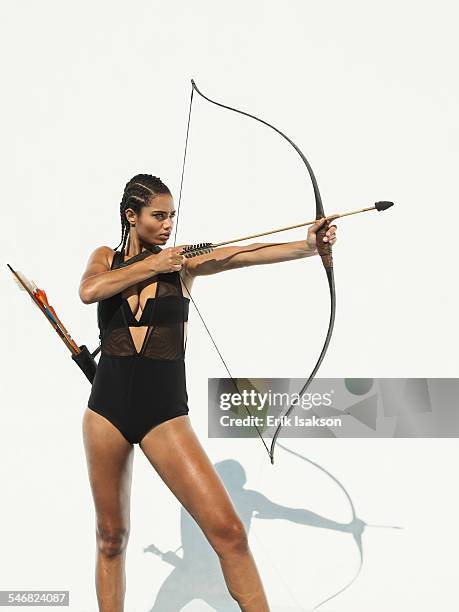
pixel 159 241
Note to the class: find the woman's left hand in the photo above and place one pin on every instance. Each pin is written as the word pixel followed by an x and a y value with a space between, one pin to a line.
pixel 330 234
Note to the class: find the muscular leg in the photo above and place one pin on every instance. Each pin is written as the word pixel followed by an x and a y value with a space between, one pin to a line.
pixel 109 459
pixel 177 455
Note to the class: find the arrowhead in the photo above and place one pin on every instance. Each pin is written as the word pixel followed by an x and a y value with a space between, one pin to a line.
pixel 383 205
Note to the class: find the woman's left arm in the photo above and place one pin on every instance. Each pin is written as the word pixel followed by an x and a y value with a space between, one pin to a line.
pixel 230 258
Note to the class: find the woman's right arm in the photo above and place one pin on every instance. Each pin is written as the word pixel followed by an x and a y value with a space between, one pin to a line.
pixel 99 282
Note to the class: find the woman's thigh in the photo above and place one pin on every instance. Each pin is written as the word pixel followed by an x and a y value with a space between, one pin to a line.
pixel 175 452
pixel 109 458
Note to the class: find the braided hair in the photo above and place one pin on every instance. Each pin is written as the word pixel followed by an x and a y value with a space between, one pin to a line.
pixel 137 194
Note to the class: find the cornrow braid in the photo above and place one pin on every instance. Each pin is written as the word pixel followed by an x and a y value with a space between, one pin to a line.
pixel 138 192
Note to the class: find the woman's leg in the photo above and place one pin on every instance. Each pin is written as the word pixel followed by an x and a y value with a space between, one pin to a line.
pixel 175 452
pixel 109 458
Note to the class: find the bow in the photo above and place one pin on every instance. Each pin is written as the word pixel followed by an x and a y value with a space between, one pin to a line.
pixel 324 250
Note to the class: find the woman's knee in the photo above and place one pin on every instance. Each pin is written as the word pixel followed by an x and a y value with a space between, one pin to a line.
pixel 111 541
pixel 229 537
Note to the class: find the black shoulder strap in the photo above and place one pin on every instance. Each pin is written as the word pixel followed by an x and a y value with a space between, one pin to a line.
pixel 118 258
pixel 153 250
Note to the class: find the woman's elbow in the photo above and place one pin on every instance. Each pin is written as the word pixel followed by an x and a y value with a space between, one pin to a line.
pixel 85 295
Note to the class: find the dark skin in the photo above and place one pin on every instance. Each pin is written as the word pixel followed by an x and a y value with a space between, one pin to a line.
pixel 172 447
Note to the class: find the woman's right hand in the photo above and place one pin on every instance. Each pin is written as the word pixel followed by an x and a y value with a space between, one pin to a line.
pixel 169 260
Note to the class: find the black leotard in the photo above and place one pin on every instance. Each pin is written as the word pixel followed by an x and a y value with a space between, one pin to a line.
pixel 137 390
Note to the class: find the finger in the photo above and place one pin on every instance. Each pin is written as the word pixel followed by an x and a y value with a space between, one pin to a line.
pixel 318 224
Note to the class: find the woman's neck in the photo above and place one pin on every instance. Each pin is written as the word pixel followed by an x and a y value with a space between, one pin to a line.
pixel 134 245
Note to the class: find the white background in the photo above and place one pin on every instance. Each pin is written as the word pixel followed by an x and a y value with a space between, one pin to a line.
pixel 94 93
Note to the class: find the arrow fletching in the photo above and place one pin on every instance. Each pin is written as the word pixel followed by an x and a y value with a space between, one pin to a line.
pixel 40 299
pixel 193 250
pixel 80 354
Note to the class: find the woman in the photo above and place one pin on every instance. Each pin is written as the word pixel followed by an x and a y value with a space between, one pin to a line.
pixel 139 392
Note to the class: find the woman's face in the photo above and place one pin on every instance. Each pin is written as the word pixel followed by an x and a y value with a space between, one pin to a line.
pixel 155 222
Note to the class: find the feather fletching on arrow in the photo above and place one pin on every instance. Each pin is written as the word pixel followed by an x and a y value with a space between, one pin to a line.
pixel 80 354
pixel 40 298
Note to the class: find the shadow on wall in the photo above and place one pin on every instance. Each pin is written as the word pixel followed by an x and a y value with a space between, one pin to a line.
pixel 197 574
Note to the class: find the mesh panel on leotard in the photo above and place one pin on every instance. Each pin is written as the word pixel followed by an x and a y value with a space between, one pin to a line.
pixel 164 339
pixel 164 317
pixel 118 343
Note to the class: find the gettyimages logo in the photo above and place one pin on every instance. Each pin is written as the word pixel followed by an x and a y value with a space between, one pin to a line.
pixel 334 407
pixel 258 400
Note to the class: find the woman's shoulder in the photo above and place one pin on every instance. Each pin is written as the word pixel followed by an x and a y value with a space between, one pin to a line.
pixel 103 255
pixel 99 261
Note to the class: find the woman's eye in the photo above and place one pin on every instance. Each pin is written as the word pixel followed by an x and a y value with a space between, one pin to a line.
pixel 162 216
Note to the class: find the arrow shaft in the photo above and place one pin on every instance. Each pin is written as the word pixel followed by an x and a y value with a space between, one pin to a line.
pixel 289 227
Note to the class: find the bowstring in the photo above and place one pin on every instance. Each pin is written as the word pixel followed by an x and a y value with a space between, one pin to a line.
pixel 183 166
